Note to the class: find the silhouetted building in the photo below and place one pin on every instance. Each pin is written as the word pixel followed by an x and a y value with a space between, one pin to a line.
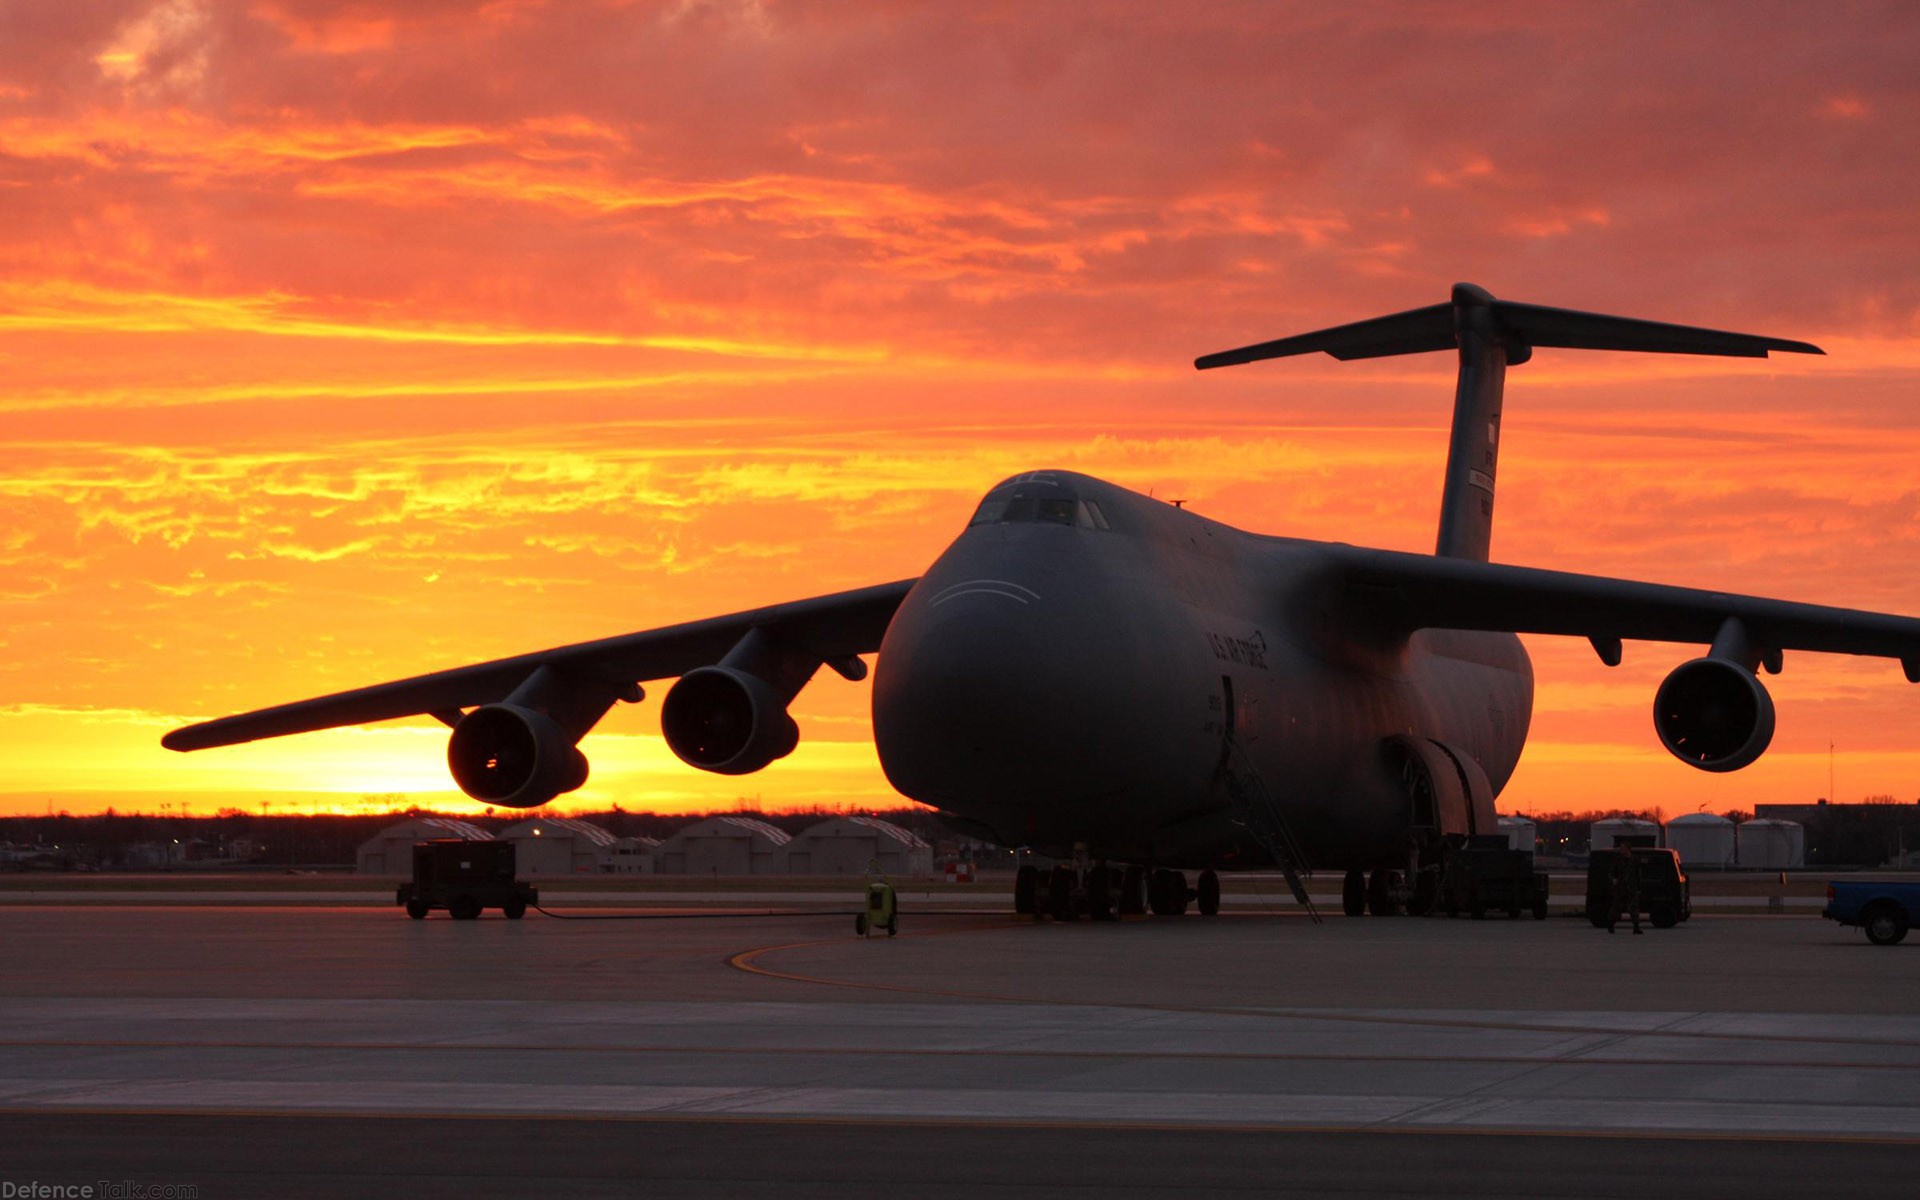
pixel 848 845
pixel 632 856
pixel 390 852
pixel 1851 835
pixel 724 846
pixel 548 846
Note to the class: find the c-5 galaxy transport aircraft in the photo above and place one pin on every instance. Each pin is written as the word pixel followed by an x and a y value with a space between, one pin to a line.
pixel 1110 679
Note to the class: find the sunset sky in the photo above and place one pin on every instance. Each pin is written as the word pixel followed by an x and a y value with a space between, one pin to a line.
pixel 344 341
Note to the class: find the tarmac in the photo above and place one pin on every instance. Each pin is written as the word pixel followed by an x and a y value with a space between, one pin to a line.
pixel 248 1050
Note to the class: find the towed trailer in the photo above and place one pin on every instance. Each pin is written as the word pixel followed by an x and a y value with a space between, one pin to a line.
pixel 465 877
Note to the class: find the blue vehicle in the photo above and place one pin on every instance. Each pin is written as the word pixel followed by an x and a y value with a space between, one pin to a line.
pixel 1883 907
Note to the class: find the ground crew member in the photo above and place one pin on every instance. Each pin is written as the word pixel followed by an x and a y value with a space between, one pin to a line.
pixel 1616 886
pixel 1633 889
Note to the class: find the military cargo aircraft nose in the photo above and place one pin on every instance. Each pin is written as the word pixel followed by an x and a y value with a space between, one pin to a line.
pixel 973 698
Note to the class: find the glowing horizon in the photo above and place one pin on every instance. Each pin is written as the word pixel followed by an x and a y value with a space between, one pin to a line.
pixel 345 341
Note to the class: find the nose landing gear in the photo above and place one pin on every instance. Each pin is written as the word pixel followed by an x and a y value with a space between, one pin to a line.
pixel 1105 893
pixel 1208 894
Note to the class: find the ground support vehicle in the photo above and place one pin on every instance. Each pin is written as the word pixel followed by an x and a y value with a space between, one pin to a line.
pixel 1648 878
pixel 1484 872
pixel 882 909
pixel 1883 907
pixel 465 877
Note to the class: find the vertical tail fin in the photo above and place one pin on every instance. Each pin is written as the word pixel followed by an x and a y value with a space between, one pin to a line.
pixel 1492 335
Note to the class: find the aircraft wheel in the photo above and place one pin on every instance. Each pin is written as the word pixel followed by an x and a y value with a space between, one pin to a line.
pixel 463 908
pixel 1209 896
pixel 417 909
pixel 1026 890
pixel 1383 889
pixel 1167 893
pixel 1179 895
pixel 1353 894
pixel 1133 892
pixel 1100 893
pixel 1060 894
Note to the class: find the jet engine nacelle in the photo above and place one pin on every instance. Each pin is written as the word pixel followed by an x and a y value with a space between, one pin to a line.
pixel 512 756
pixel 728 721
pixel 1713 714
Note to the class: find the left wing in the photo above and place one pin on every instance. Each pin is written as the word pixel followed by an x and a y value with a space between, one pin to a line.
pixel 831 629
pixel 1404 592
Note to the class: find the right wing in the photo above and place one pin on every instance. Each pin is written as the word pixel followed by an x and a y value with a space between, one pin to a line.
pixel 827 628
pixel 1403 592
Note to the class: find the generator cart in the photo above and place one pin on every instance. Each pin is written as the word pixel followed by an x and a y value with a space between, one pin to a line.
pixel 464 877
pixel 1483 871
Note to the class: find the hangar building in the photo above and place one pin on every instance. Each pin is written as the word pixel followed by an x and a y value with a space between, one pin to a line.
pixel 724 846
pixel 550 846
pixel 390 852
pixel 632 856
pixel 846 845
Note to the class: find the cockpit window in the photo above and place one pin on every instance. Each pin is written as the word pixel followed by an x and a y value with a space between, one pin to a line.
pixel 1038 504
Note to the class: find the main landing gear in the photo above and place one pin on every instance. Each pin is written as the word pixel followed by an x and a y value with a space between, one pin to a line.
pixel 1105 893
pixel 1384 893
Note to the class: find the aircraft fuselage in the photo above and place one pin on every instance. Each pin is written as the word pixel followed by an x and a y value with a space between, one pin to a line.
pixel 1067 674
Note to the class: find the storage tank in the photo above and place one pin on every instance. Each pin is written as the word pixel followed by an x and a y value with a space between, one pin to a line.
pixel 1522 834
pixel 1605 833
pixel 1703 839
pixel 1769 845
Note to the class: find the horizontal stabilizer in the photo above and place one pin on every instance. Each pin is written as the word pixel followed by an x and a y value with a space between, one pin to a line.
pixel 1414 332
pixel 1519 327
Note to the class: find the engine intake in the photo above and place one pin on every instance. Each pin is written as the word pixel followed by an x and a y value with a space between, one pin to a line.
pixel 1713 714
pixel 727 721
pixel 512 756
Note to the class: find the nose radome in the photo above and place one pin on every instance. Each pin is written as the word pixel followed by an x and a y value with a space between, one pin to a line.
pixel 977 699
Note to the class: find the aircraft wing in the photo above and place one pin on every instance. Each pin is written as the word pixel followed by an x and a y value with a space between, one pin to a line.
pixel 828 628
pixel 1416 591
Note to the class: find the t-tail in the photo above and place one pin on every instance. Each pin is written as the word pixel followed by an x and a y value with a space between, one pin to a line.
pixel 1492 335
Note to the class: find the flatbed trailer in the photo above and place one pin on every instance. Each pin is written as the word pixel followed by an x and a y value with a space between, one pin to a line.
pixel 465 877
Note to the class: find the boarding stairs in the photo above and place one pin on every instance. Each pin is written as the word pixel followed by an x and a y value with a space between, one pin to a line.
pixel 1254 809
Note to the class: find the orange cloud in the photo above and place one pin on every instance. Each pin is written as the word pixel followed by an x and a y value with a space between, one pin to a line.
pixel 347 340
